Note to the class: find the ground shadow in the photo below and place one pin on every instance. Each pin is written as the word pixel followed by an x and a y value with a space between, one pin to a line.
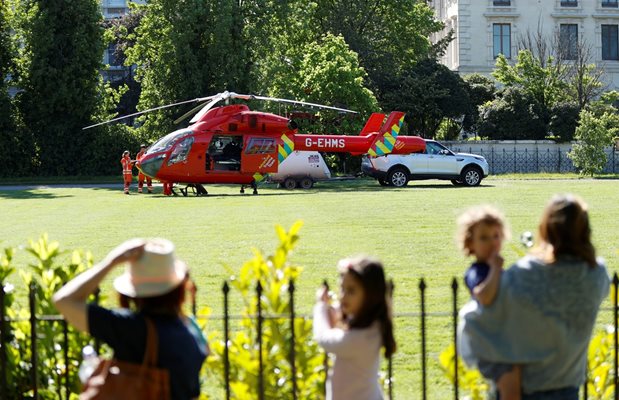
pixel 28 194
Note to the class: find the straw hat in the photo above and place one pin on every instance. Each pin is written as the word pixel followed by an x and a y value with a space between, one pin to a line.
pixel 157 272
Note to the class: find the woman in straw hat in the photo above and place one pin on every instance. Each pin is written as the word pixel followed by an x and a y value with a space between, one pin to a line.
pixel 154 283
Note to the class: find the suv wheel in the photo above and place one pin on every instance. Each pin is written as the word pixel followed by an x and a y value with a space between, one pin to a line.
pixel 398 177
pixel 471 176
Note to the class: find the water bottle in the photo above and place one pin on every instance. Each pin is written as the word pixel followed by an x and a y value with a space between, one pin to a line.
pixel 90 360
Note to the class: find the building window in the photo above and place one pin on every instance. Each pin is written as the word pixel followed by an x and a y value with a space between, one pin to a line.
pixel 501 3
pixel 113 57
pixel 609 3
pixel 610 42
pixel 502 40
pixel 569 3
pixel 568 41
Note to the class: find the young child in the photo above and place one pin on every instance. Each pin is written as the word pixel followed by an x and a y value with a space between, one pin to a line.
pixel 481 231
pixel 356 331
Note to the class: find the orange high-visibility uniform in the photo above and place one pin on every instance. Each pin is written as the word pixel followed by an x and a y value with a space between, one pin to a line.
pixel 167 188
pixel 141 176
pixel 127 173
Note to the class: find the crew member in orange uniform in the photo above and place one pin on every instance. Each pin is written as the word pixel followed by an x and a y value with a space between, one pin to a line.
pixel 141 176
pixel 127 164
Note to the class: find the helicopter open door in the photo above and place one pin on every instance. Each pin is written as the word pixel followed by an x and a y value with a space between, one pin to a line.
pixel 259 154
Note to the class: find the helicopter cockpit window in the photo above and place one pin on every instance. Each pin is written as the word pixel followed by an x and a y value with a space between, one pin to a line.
pixel 165 142
pixel 260 146
pixel 180 152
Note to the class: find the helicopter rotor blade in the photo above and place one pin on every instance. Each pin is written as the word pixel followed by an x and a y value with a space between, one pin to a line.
pixel 189 113
pixel 147 111
pixel 300 102
pixel 214 100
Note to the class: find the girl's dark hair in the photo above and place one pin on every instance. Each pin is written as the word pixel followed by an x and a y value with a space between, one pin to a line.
pixel 166 304
pixel 564 230
pixel 376 300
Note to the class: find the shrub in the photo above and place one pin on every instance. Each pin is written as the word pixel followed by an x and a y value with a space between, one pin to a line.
pixel 47 273
pixel 470 381
pixel 275 274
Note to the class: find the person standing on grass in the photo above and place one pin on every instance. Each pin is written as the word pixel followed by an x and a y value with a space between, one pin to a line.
pixel 356 331
pixel 481 232
pixel 127 164
pixel 545 308
pixel 141 176
pixel 153 286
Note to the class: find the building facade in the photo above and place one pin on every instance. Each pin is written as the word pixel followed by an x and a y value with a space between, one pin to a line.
pixel 483 29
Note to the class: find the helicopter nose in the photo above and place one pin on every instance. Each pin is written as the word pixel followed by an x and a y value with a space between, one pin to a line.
pixel 150 166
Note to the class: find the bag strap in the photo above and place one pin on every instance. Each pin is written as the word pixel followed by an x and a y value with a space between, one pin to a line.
pixel 152 344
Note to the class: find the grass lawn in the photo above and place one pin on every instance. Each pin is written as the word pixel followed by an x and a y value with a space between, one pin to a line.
pixel 410 229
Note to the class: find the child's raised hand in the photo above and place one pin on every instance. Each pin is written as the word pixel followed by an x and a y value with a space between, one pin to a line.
pixel 322 294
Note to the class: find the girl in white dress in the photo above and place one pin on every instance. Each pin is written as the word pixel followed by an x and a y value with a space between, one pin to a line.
pixel 355 331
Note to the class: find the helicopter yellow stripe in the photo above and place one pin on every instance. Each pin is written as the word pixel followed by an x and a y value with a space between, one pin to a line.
pixel 380 146
pixel 288 142
pixel 258 177
pixel 389 140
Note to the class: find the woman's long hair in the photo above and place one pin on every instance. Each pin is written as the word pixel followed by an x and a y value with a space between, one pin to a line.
pixel 376 300
pixel 564 230
pixel 169 303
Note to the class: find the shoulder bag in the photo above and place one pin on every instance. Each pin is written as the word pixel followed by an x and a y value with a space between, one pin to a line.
pixel 115 379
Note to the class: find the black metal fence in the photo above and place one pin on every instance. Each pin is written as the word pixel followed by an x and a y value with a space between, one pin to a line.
pixel 422 315
pixel 514 159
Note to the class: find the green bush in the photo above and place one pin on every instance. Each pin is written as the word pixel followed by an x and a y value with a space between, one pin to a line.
pixel 470 381
pixel 49 270
pixel 274 273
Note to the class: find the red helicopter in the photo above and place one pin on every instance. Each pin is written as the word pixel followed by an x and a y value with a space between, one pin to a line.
pixel 233 145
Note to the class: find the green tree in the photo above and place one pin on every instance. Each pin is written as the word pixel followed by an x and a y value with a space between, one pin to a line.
pixel 15 158
pixel 329 73
pixel 428 92
pixel 594 133
pixel 184 50
pixel 541 79
pixel 121 32
pixel 481 90
pixel 279 31
pixel 388 35
pixel 60 55
pixel 563 120
pixel 514 115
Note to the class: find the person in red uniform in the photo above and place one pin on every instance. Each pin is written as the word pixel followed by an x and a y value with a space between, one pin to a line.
pixel 127 164
pixel 141 176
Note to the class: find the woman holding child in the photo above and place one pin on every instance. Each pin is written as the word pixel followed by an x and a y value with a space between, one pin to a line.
pixel 542 316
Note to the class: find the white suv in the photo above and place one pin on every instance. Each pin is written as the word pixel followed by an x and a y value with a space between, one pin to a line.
pixel 437 162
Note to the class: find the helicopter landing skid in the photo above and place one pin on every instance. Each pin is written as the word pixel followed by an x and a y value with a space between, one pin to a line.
pixel 195 188
pixel 253 186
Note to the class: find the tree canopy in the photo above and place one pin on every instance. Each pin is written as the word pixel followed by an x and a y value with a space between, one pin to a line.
pixel 61 43
pixel 428 92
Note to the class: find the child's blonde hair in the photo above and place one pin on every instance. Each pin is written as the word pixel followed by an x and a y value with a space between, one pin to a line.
pixel 469 219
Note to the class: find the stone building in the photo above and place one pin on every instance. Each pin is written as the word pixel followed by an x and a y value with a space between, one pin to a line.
pixel 485 28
